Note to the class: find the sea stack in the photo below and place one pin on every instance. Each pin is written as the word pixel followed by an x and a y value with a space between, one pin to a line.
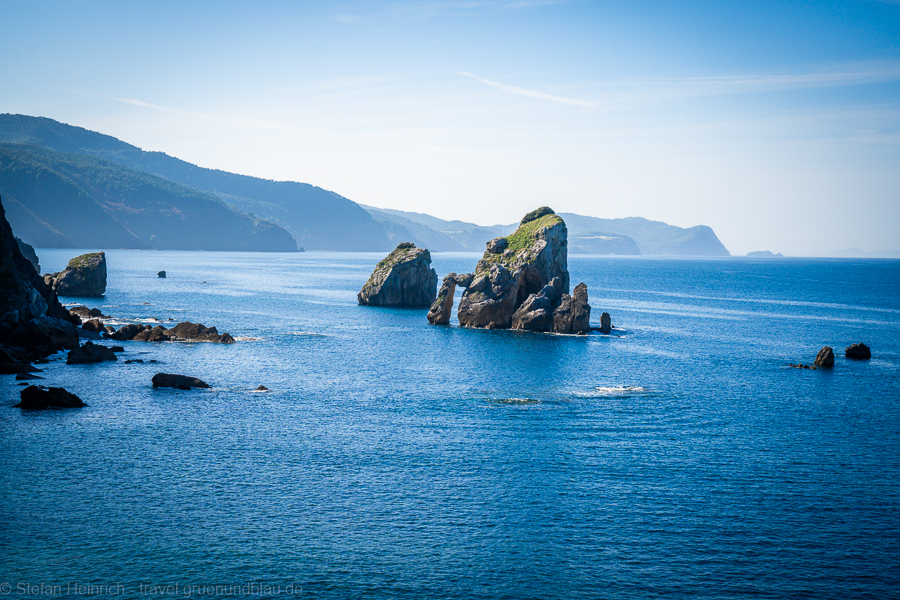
pixel 403 278
pixel 85 275
pixel 522 281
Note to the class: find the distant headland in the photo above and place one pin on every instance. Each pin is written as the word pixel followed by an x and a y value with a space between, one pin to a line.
pixel 68 187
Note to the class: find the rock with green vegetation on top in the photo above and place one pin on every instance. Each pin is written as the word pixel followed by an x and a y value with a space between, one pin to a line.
pixel 85 275
pixel 513 269
pixel 403 278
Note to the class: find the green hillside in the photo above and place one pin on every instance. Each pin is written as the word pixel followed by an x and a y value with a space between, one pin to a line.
pixel 318 219
pixel 61 199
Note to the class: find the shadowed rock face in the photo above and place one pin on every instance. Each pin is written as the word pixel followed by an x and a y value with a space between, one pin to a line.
pixel 85 275
pixel 34 397
pixel 90 353
pixel 825 358
pixel 28 252
pixel 403 278
pixel 858 352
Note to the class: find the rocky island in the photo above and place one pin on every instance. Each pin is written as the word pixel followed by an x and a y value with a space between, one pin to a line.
pixel 403 278
pixel 85 275
pixel 521 282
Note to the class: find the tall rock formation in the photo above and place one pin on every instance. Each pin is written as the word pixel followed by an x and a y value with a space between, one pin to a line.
pixel 523 280
pixel 439 314
pixel 403 278
pixel 32 321
pixel 85 275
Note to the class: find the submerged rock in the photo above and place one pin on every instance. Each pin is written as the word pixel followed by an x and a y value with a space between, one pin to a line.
pixel 85 275
pixel 90 353
pixel 825 357
pixel 858 352
pixel 181 382
pixel 402 278
pixel 38 397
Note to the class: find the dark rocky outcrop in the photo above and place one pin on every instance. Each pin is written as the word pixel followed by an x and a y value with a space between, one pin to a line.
pixel 605 323
pixel 28 252
pixel 85 313
pixel 33 323
pixel 161 274
pixel 181 382
pixel 522 281
pixel 39 397
pixel 44 336
pixel 573 315
pixel 403 278
pixel 127 332
pixel 90 353
pixel 94 326
pixel 858 352
pixel 825 357
pixel 186 331
pixel 85 275
pixel 439 313
pixel 537 312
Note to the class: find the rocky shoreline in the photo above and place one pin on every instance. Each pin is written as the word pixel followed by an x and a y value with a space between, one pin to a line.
pixel 34 325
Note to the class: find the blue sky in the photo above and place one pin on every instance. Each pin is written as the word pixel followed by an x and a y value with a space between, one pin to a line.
pixel 777 124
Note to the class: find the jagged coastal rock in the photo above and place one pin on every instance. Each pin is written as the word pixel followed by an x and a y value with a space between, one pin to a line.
pixel 85 275
pixel 186 331
pixel 573 315
pixel 33 323
pixel 403 278
pixel 825 357
pixel 522 282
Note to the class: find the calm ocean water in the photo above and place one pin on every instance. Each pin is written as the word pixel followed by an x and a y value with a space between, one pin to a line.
pixel 681 458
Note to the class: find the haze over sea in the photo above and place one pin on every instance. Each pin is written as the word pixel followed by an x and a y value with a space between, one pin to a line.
pixel 679 458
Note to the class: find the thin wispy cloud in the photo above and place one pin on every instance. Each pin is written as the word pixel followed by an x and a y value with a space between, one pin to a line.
pixel 827 76
pixel 528 93
pixel 197 115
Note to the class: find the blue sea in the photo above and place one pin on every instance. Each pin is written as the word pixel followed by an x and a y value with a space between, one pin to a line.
pixel 680 457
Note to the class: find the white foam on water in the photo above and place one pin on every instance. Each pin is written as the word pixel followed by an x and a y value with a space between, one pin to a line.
pixel 612 390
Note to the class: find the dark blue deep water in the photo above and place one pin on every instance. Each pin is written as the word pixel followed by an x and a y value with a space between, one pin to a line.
pixel 681 458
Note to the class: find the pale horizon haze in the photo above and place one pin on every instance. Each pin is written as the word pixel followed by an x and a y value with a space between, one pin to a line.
pixel 776 124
